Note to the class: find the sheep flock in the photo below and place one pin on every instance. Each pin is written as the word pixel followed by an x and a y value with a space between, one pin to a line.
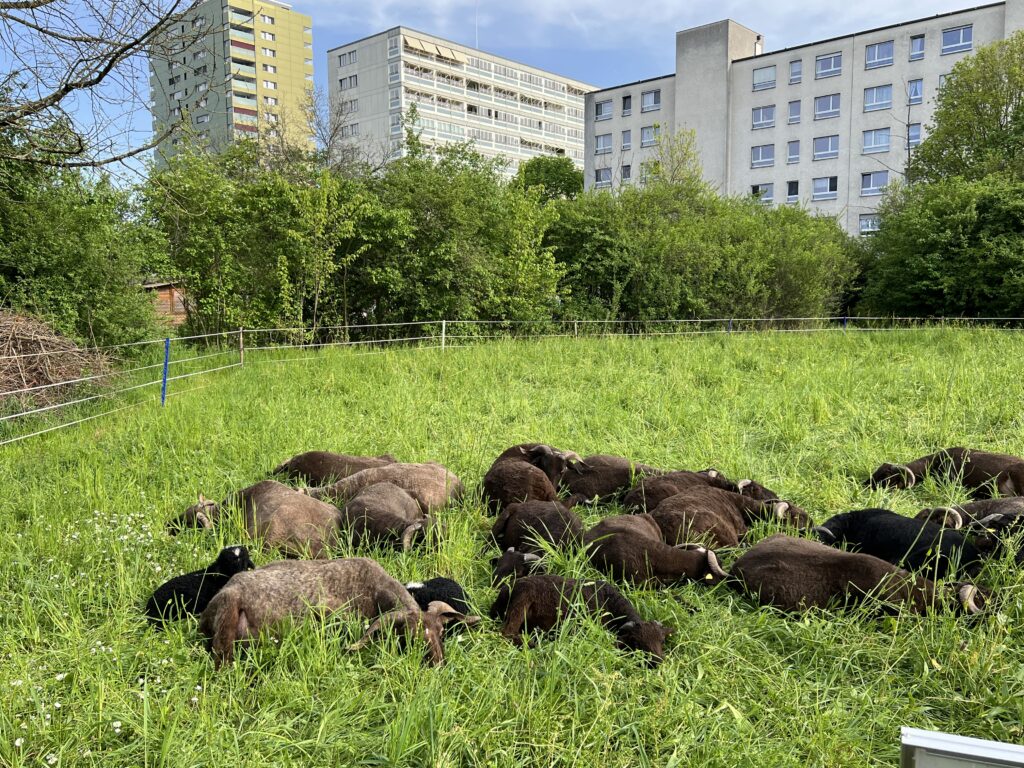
pixel 676 524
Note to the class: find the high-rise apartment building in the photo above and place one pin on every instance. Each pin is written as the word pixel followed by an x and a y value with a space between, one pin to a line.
pixel 232 69
pixel 461 93
pixel 827 124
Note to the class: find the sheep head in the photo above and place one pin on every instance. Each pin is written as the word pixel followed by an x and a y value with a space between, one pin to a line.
pixel 947 517
pixel 429 624
pixel 645 636
pixel 199 515
pixel 513 564
pixel 892 476
pixel 551 461
pixel 232 560
pixel 791 514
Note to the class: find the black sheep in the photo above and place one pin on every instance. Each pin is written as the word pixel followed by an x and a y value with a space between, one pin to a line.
pixel 919 545
pixel 446 590
pixel 190 593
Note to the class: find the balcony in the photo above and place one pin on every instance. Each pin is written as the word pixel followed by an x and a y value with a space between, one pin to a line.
pixel 243 82
pixel 243 100
pixel 442 85
pixel 237 68
pixel 240 18
pixel 242 34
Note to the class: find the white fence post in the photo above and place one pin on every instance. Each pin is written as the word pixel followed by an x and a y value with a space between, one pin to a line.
pixel 444 324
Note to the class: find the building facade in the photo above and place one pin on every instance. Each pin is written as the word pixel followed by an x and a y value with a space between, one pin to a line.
pixel 460 93
pixel 243 69
pixel 827 125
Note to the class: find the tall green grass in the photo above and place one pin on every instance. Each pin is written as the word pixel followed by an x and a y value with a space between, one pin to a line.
pixel 84 680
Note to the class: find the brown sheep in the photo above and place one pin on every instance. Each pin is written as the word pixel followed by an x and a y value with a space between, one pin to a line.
pixel 255 601
pixel 324 467
pixel 602 477
pixel 281 516
pixel 979 471
pixel 430 484
pixel 527 472
pixel 542 602
pixel 630 547
pixel 383 512
pixel 522 525
pixel 796 574
pixel 651 491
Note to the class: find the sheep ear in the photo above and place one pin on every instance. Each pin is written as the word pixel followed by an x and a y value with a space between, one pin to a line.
pixel 781 508
pixel 447 614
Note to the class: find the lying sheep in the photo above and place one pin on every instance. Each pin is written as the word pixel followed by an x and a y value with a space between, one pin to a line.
pixel 431 485
pixel 190 593
pixel 651 491
pixel 980 471
pixel 281 516
pixel 602 477
pixel 975 513
pixel 255 601
pixel 521 526
pixel 324 467
pixel 630 547
pixel 511 565
pixel 723 516
pixel 797 574
pixel 915 544
pixel 384 513
pixel 542 602
pixel 441 590
pixel 527 472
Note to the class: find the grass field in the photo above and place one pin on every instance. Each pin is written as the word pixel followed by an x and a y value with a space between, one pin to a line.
pixel 85 681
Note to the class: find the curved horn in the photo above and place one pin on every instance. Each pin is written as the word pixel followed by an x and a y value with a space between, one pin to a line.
pixel 529 557
pixel 714 566
pixel 409 535
pixel 988 520
pixel 969 594
pixel 910 476
pixel 713 473
pixel 955 518
pixel 203 520
pixel 740 485
pixel 824 534
pixel 781 508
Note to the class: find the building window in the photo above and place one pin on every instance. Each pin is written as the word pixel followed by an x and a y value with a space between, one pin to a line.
pixel 958 39
pixel 826 106
pixel 201 87
pixel 876 140
pixel 270 53
pixel 627 139
pixel 344 59
pixel 627 105
pixel 916 47
pixel 350 106
pixel 942 80
pixel 270 85
pixel 346 83
pixel 649 135
pixel 202 119
pixel 650 101
pixel 268 36
pixel 794 112
pixel 396 123
pixel 603 177
pixel 394 72
pixel 764 78
pixel 915 92
pixel 763 192
pixel 869 222
pixel 271 68
pixel 266 19
pixel 879 55
pixel 762 156
pixel 393 45
pixel 879 97
pixel 825 188
pixel 913 135
pixel 198 23
pixel 828 65
pixel 627 172
pixel 270 101
pixel 764 117
pixel 873 183
pixel 394 98
pixel 826 147
pixel 792 191
pixel 603 144
pixel 796 71
pixel 793 152
pixel 603 110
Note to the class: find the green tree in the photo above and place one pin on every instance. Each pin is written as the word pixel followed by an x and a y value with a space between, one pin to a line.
pixel 979 118
pixel 557 177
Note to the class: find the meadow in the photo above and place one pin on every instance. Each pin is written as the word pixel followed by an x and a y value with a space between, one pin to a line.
pixel 85 681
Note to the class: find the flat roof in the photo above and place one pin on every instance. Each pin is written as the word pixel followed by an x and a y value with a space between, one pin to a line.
pixel 871 31
pixel 635 82
pixel 411 30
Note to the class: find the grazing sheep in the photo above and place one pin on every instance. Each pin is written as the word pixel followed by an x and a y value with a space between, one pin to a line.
pixel 257 600
pixel 978 471
pixel 383 512
pixel 430 484
pixel 630 547
pixel 542 602
pixel 918 545
pixel 527 472
pixel 723 515
pixel 651 491
pixel 602 477
pixel 189 594
pixel 521 526
pixel 447 591
pixel 283 517
pixel 512 565
pixel 324 467
pixel 797 574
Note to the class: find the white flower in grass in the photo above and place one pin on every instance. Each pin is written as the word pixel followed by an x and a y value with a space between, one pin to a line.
pixel 60 676
pixel 56 705
pixel 51 759
pixel 16 683
pixel 19 741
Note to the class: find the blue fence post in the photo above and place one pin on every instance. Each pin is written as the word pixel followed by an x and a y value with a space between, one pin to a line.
pixel 167 361
pixel 845 318
pixel 730 325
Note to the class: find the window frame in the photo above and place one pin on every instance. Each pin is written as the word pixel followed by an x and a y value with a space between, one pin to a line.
pixel 765 122
pixel 764 192
pixel 791 118
pixel 919 99
pixel 600 183
pixel 626 139
pixel 869 217
pixel 917 55
pixel 792 159
pixel 760 151
pixel 878 63
pixel 627 110
pixel 598 148
pixel 827 154
pixel 656 106
pixel 834 71
pixel 877 106
pixel 832 113
pixel 599 113
pixel 910 142
pixel 829 194
pixel 798 77
pixel 765 85
pixel 792 197
pixel 874 190
pixel 654 133
pixel 960 47
pixel 874 149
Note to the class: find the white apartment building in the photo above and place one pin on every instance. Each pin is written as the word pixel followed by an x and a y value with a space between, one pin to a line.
pixel 826 124
pixel 461 93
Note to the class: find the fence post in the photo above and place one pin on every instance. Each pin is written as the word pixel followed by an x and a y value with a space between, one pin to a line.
pixel 845 318
pixel 730 325
pixel 167 361
pixel 241 348
pixel 444 328
pixel 576 328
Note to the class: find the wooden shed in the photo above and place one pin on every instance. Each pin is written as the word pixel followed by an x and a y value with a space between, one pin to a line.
pixel 168 299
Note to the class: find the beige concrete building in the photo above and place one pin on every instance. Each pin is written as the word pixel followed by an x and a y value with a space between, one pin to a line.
pixel 243 69
pixel 506 108
pixel 825 124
